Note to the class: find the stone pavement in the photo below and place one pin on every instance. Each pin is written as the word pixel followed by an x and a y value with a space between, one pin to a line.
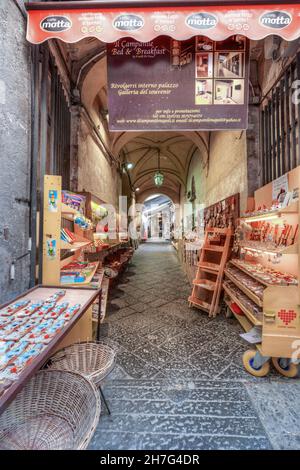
pixel 179 382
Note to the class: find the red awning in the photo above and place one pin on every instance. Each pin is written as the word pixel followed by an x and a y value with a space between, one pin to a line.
pixel 71 24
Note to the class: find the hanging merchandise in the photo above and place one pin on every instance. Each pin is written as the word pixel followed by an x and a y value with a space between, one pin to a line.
pixel 224 213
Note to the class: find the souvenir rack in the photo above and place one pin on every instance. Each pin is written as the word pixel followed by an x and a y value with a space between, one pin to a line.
pixel 260 294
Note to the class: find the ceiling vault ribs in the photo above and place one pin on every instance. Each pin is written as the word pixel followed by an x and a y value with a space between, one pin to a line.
pixel 176 151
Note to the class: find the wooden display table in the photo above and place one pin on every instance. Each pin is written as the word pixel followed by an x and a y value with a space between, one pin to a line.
pixel 78 328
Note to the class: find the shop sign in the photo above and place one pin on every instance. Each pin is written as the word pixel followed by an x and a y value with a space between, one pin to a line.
pixel 280 188
pixel 56 23
pixel 166 84
pixel 276 19
pixel 201 21
pixel 128 22
pixel 145 24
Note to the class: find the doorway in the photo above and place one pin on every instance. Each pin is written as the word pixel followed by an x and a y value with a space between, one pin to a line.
pixel 158 218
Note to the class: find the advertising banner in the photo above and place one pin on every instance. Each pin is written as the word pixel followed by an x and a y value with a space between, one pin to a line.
pixel 59 20
pixel 166 84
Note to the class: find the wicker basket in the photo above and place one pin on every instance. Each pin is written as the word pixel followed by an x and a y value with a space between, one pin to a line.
pixel 93 360
pixel 56 410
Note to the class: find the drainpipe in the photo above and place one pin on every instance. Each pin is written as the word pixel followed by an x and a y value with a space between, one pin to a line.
pixel 34 158
pixel 43 148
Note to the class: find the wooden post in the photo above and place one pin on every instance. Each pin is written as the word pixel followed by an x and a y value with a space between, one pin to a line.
pixel 51 230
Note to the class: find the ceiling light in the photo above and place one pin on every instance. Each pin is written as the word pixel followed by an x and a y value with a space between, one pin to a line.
pixel 158 178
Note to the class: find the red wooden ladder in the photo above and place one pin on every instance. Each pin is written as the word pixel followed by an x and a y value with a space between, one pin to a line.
pixel 207 285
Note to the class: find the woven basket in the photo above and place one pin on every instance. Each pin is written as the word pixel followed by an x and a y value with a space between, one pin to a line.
pixel 56 410
pixel 94 360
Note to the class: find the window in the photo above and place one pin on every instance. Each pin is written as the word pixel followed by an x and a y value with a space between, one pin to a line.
pixel 280 125
pixel 59 128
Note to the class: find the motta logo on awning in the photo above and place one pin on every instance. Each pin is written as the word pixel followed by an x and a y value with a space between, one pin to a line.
pixel 276 19
pixel 128 22
pixel 56 24
pixel 201 21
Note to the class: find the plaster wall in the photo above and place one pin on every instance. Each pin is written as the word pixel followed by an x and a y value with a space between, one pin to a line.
pixel 226 173
pixel 95 173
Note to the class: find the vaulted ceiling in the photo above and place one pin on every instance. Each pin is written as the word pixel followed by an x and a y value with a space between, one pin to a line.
pixel 87 61
pixel 174 152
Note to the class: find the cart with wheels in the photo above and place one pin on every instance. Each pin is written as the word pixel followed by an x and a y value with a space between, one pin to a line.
pixel 280 335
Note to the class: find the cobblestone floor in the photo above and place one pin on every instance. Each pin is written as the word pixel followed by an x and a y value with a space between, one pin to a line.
pixel 179 382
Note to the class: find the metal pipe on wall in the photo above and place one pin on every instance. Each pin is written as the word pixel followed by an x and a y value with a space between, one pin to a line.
pixel 34 158
pixel 43 147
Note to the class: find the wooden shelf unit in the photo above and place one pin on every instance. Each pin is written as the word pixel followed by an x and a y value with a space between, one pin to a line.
pixel 207 284
pixel 237 265
pixel 287 250
pixel 244 289
pixel 291 209
pixel 281 303
pixel 54 217
pixel 247 312
pixel 84 283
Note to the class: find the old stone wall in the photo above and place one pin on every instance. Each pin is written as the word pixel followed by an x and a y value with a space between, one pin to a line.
pixel 15 150
pixel 96 173
pixel 226 172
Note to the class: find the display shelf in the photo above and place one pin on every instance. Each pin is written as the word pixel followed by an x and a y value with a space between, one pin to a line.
pixel 84 297
pixel 87 280
pixel 291 209
pixel 247 312
pixel 287 250
pixel 78 245
pixel 280 304
pixel 93 203
pixel 243 321
pixel 237 265
pixel 258 279
pixel 103 253
pixel 243 288
pixel 68 212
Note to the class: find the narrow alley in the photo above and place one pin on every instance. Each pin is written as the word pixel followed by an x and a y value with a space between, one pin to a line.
pixel 150 229
pixel 179 382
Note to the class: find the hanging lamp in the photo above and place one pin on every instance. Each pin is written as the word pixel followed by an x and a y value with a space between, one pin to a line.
pixel 159 176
